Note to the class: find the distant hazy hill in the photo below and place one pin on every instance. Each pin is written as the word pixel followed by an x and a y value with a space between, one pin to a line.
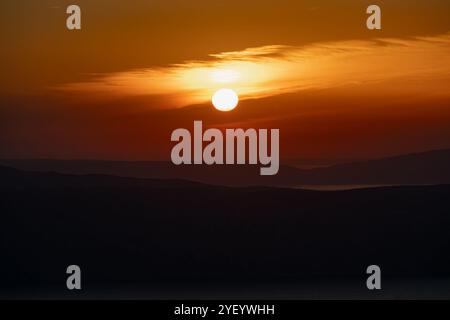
pixel 15 178
pixel 431 167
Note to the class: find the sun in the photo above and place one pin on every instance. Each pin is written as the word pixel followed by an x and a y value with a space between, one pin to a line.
pixel 225 99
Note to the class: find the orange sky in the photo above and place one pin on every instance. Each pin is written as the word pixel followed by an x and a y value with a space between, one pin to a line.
pixel 139 69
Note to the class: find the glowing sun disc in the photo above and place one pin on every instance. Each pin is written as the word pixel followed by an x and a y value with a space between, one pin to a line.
pixel 225 99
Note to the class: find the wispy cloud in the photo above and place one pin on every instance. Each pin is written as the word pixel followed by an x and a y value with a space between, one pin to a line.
pixel 276 69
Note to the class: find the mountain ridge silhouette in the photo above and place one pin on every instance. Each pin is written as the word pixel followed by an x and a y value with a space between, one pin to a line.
pixel 134 232
pixel 430 167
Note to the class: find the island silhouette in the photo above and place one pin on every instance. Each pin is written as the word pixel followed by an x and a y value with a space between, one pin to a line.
pixel 172 235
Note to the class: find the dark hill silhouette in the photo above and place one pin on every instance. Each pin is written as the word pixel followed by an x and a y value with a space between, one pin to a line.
pixel 132 233
pixel 430 167
pixel 14 178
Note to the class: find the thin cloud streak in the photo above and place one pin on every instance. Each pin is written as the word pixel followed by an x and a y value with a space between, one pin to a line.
pixel 417 65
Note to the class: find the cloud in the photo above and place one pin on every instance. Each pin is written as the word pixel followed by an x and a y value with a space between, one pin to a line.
pixel 414 65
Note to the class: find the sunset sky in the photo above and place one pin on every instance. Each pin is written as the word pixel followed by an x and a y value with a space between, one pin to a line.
pixel 140 69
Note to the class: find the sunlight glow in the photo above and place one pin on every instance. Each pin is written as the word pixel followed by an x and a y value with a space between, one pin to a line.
pixel 224 75
pixel 274 70
pixel 225 99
